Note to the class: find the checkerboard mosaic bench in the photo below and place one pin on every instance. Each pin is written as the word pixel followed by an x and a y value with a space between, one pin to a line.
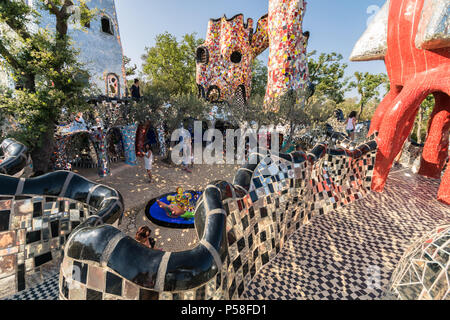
pixel 14 157
pixel 37 217
pixel 242 226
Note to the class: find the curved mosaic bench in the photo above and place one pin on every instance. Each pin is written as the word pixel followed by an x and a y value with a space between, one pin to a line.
pixel 422 273
pixel 242 226
pixel 14 156
pixel 36 218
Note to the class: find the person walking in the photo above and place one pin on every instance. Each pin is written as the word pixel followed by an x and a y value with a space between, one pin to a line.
pixel 148 161
pixel 351 125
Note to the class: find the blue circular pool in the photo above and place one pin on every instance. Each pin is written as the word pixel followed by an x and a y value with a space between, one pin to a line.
pixel 158 215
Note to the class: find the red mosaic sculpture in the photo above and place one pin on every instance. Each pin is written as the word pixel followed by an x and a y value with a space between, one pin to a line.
pixel 224 61
pixel 140 138
pixel 417 67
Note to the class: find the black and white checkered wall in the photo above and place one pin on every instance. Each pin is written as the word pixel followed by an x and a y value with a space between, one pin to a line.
pixel 252 219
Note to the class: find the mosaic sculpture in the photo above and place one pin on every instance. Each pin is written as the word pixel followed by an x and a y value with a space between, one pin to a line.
pixel 129 143
pixel 414 40
pixel 422 273
pixel 60 156
pixel 98 139
pixel 224 61
pixel 242 226
pixel 36 217
pixel 14 157
pixel 141 135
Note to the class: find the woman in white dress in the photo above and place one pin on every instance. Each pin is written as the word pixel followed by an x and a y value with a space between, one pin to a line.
pixel 148 161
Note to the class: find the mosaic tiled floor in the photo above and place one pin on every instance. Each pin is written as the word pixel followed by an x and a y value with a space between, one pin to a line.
pixel 348 254
pixel 351 253
pixel 47 290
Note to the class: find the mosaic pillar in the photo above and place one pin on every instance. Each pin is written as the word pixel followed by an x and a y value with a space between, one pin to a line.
pixel 98 138
pixel 288 66
pixel 162 141
pixel 61 159
pixel 141 137
pixel 129 143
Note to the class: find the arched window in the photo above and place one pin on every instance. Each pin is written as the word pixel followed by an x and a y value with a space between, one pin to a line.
pixel 107 26
pixel 112 85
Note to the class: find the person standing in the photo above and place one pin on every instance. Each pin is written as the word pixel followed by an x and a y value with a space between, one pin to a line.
pixel 135 90
pixel 148 161
pixel 351 125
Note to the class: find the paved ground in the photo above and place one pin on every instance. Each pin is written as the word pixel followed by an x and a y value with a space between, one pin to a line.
pixel 351 253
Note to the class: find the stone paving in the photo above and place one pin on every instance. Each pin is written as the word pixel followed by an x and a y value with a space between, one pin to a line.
pixel 351 253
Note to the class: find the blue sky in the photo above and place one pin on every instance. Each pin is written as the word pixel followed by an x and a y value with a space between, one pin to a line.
pixel 335 25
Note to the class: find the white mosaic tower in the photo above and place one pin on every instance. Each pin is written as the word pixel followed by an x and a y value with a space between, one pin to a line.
pixel 100 47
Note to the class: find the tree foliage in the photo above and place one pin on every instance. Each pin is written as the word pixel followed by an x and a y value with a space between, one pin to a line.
pixel 170 64
pixel 259 78
pixel 368 86
pixel 327 75
pixel 44 66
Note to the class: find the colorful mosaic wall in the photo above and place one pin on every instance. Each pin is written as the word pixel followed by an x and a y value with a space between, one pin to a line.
pixel 241 226
pixel 36 218
pixel 288 66
pixel 422 273
pixel 141 136
pixel 14 157
pixel 129 143
pixel 97 139
pixel 224 61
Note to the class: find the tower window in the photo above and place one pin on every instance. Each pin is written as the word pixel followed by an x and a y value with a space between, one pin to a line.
pixel 107 26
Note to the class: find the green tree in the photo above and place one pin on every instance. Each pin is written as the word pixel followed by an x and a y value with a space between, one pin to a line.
pixel 43 64
pixel 327 74
pixel 259 78
pixel 130 70
pixel 170 64
pixel 423 116
pixel 368 86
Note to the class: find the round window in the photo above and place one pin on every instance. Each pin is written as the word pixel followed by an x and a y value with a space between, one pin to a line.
pixel 236 57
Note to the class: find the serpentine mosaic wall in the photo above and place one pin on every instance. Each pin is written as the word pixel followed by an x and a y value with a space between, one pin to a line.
pixel 36 219
pixel 241 226
pixel 14 157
